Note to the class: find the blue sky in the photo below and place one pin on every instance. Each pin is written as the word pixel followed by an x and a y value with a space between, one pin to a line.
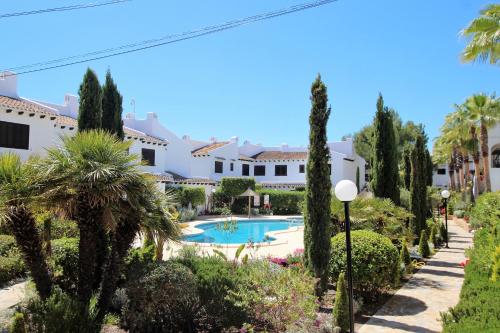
pixel 254 81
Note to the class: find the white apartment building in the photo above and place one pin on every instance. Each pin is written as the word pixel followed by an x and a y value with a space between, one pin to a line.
pixel 29 126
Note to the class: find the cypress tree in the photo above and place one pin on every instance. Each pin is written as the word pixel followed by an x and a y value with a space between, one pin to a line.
pixel 407 168
pixel 341 307
pixel 357 178
pixel 385 164
pixel 418 187
pixel 423 245
pixel 428 168
pixel 317 231
pixel 404 254
pixel 112 107
pixel 90 111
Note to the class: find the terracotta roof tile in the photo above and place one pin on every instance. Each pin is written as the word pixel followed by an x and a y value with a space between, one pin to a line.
pixel 22 105
pixel 245 158
pixel 281 155
pixel 208 148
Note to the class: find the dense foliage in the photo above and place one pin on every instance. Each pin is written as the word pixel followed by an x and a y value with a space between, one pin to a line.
pixel 284 202
pixel 318 188
pixel 191 195
pixel 384 167
pixel 486 212
pixel 112 107
pixel 478 309
pixel 341 307
pixel 375 261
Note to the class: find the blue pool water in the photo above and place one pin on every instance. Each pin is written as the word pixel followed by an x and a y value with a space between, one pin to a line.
pixel 246 231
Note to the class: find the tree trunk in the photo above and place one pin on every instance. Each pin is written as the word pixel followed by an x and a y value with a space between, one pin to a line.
pixel 160 242
pixel 47 242
pixel 457 180
pixel 462 180
pixel 121 241
pixel 23 226
pixel 451 173
pixel 486 160
pixel 88 220
pixel 466 168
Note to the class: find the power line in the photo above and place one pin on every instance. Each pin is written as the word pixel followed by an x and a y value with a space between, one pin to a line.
pixel 169 39
pixel 63 9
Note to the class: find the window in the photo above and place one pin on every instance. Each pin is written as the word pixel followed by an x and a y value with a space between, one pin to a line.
pixel 148 156
pixel 302 168
pixel 13 135
pixel 245 169
pixel 441 171
pixel 495 158
pixel 259 170
pixel 280 170
pixel 219 166
pixel 231 166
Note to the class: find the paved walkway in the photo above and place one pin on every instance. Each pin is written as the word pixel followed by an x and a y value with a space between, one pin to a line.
pixel 434 288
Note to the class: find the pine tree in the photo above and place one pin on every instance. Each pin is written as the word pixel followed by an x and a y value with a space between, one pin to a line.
pixel 90 111
pixel 341 307
pixel 385 172
pixel 112 107
pixel 317 231
pixel 423 245
pixel 418 187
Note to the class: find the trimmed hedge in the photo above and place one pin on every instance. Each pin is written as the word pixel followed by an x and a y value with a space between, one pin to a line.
pixel 375 261
pixel 285 202
pixel 64 261
pixel 193 195
pixel 478 309
pixel 234 186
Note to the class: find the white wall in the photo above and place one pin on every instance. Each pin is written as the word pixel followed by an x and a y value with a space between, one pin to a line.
pixel 42 134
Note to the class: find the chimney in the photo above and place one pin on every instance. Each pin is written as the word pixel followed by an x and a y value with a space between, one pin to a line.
pixel 130 115
pixel 71 102
pixel 234 139
pixel 186 137
pixel 8 84
pixel 213 139
pixel 152 115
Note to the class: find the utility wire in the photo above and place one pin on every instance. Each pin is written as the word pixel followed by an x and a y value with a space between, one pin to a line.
pixel 169 39
pixel 63 9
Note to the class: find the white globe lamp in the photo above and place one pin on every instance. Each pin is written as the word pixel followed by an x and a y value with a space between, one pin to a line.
pixel 346 190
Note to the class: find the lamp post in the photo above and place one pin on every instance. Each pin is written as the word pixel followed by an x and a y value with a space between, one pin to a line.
pixel 445 194
pixel 346 191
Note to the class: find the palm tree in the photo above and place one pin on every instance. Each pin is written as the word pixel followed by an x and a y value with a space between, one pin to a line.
pixel 484 33
pixel 92 179
pixel 485 112
pixel 18 186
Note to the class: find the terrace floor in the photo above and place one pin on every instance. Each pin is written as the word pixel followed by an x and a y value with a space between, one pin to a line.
pixel 433 289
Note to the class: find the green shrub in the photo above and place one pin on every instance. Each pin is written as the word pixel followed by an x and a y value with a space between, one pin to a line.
pixel 193 195
pixel 234 186
pixel 459 213
pixel 163 300
pixel 7 244
pixel 18 323
pixel 495 270
pixel 10 268
pixel 276 299
pixel 285 202
pixel 423 245
pixel 374 261
pixel 138 262
pixel 433 236
pixel 64 261
pixel 478 309
pixel 341 307
pixel 59 313
pixel 486 212
pixel 404 254
pixel 215 279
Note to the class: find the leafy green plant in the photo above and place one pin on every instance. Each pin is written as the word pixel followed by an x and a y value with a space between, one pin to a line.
pixel 486 212
pixel 10 268
pixel 341 307
pixel 423 245
pixel 7 244
pixel 64 261
pixel 374 261
pixel 495 270
pixel 459 213
pixel 191 195
pixel 18 323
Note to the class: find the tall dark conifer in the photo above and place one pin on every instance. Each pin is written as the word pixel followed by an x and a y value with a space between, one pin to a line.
pixel 112 107
pixel 407 167
pixel 90 111
pixel 429 167
pixel 418 187
pixel 385 172
pixel 317 231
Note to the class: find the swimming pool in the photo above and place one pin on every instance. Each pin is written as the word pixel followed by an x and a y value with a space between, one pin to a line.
pixel 245 231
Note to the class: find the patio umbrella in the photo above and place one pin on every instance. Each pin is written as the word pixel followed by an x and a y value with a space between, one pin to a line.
pixel 249 193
